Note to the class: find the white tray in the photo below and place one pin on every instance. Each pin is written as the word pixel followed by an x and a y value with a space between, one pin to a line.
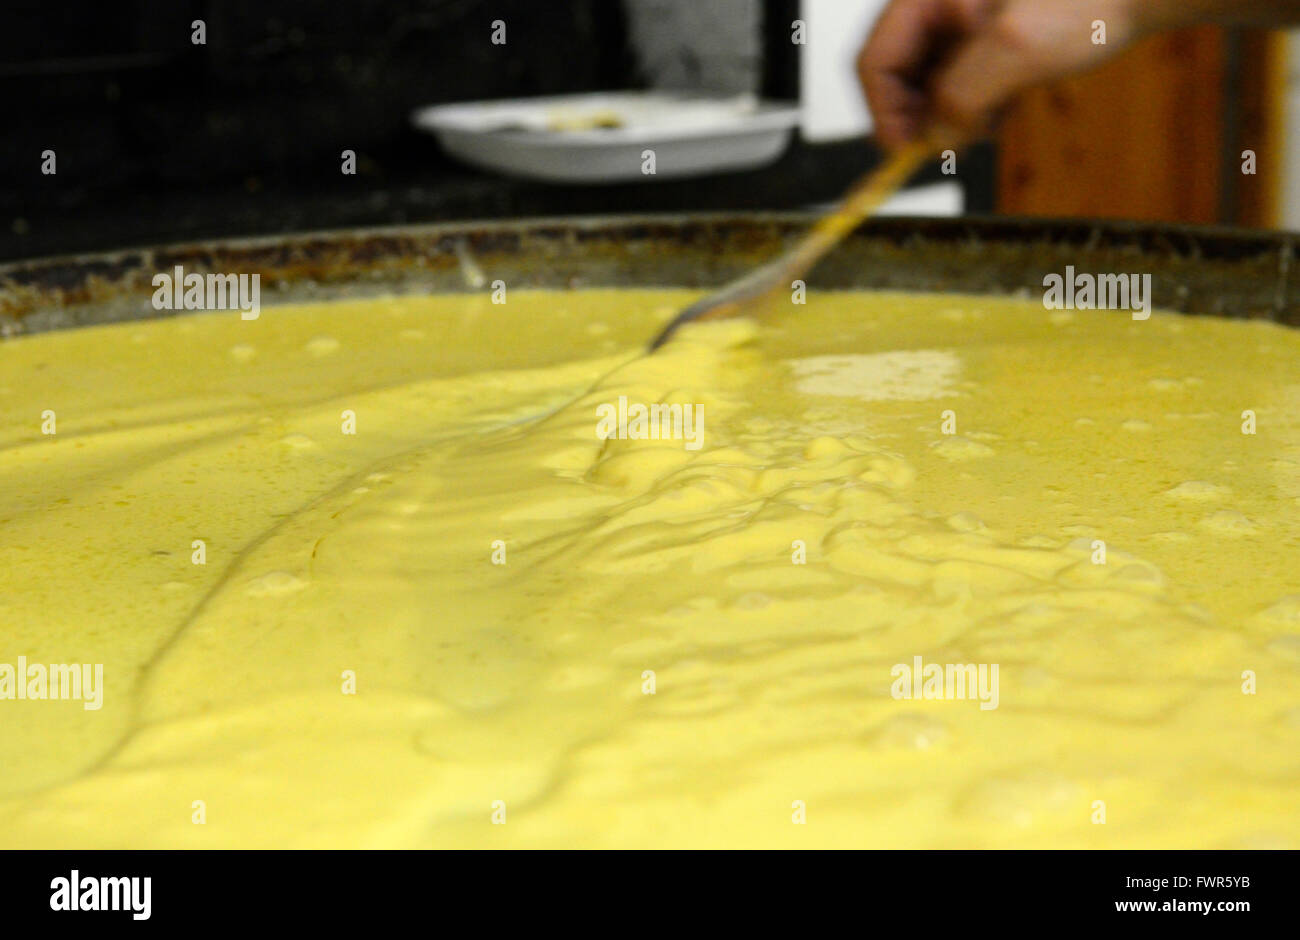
pixel 561 139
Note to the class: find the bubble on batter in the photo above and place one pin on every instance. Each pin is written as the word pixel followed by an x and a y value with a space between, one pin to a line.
pixel 274 583
pixel 575 677
pixel 1036 677
pixel 911 731
pixel 886 470
pixel 1230 523
pixel 1286 646
pixel 1285 611
pixel 1039 541
pixel 753 600
pixel 322 345
pixel 965 522
pixel 957 448
pixel 297 441
pixel 825 446
pixel 1021 801
pixel 1141 573
pixel 1259 842
pixel 1199 491
pixel 1135 425
pixel 904 375
pixel 242 352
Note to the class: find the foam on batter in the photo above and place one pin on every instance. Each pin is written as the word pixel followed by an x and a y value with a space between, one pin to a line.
pixel 436 608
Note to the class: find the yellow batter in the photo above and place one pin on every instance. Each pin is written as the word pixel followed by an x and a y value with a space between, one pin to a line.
pixel 473 622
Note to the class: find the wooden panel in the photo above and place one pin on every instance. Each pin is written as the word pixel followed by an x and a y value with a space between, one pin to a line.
pixel 1142 138
pixel 1261 90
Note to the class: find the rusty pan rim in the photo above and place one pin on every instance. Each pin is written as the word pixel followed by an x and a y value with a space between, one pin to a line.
pixel 1207 270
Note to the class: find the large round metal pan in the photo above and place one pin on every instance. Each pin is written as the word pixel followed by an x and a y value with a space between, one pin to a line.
pixel 1215 272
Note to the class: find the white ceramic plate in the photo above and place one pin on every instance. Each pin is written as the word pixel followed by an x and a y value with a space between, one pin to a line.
pixel 602 138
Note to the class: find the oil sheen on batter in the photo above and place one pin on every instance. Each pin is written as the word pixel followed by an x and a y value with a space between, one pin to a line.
pixel 510 704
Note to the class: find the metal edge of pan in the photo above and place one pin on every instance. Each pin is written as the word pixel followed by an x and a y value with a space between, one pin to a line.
pixel 1195 270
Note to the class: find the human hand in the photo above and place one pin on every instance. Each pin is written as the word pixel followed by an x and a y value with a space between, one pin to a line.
pixel 955 63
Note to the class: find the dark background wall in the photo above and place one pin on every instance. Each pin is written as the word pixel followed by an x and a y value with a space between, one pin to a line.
pixel 161 140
